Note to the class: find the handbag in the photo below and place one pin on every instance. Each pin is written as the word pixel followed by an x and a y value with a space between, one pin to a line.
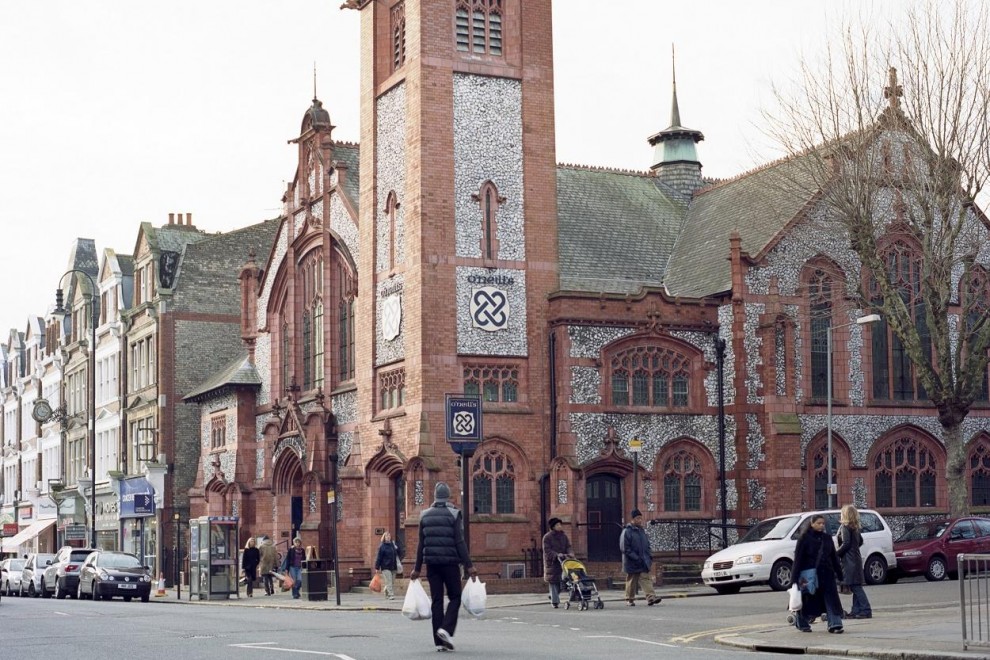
pixel 398 565
pixel 794 598
pixel 376 583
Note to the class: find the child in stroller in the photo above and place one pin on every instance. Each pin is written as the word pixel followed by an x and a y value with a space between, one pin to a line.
pixel 582 589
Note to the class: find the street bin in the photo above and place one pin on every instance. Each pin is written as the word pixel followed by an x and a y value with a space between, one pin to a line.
pixel 314 579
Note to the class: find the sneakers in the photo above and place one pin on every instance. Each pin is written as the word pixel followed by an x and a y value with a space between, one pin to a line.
pixel 442 649
pixel 630 603
pixel 445 640
pixel 653 600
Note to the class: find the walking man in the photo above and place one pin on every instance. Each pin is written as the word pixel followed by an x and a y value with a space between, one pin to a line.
pixel 268 560
pixel 637 560
pixel 442 548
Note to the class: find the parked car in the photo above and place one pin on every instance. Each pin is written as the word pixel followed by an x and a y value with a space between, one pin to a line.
pixel 10 575
pixel 62 577
pixel 930 548
pixel 33 571
pixel 105 574
pixel 766 553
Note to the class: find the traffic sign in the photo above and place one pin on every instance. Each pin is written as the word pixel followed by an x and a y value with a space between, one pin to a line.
pixel 463 422
pixel 635 445
pixel 332 497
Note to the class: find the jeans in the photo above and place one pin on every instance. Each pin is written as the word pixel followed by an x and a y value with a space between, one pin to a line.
pixel 861 604
pixel 442 576
pixel 296 573
pixel 555 592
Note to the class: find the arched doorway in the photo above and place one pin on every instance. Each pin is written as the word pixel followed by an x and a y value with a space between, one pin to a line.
pixel 604 503
pixel 400 511
pixel 287 485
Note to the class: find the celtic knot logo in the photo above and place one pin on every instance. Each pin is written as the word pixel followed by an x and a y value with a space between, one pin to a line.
pixel 489 309
pixel 463 423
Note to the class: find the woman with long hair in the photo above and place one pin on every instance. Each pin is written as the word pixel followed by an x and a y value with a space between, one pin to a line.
pixel 850 540
pixel 816 569
pixel 387 563
pixel 249 564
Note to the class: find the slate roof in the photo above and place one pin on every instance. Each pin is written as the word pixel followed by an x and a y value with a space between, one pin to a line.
pixel 349 154
pixel 173 237
pixel 616 230
pixel 207 278
pixel 239 372
pixel 757 204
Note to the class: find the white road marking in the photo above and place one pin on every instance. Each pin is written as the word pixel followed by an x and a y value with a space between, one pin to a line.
pixel 632 639
pixel 265 646
pixel 61 613
pixel 704 633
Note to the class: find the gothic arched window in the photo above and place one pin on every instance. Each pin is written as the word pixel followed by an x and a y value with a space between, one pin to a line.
pixel 311 272
pixel 905 472
pixel 975 298
pixel 978 468
pixel 391 211
pixel 683 481
pixel 893 372
pixel 478 26
pixel 820 288
pixel 651 376
pixel 489 201
pixel 493 483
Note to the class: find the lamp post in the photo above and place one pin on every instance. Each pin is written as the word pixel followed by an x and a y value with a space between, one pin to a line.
pixel 635 446
pixel 862 320
pixel 178 583
pixel 94 319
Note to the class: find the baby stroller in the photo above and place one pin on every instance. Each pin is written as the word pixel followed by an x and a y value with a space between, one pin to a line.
pixel 581 588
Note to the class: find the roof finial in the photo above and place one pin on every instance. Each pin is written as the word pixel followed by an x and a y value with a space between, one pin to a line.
pixel 675 112
pixel 314 80
pixel 893 92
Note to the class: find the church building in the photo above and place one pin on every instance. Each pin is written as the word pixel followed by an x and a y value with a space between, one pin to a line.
pixel 631 335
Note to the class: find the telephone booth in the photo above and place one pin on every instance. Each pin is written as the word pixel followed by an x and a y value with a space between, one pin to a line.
pixel 213 557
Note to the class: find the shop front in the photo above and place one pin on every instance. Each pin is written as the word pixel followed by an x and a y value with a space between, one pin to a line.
pixel 138 524
pixel 107 521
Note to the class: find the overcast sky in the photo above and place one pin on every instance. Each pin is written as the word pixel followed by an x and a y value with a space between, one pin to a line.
pixel 115 113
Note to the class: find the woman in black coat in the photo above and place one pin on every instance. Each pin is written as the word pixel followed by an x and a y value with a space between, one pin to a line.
pixel 816 550
pixel 249 563
pixel 850 541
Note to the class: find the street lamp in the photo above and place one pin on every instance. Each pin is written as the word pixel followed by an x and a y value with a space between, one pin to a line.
pixel 862 320
pixel 635 446
pixel 94 319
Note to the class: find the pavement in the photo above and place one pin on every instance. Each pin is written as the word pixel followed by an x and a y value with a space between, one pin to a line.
pixel 892 634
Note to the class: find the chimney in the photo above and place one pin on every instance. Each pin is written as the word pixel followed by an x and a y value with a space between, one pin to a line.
pixel 189 219
pixel 171 218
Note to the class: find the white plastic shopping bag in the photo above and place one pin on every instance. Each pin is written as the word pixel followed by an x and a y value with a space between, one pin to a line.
pixel 794 594
pixel 474 597
pixel 417 605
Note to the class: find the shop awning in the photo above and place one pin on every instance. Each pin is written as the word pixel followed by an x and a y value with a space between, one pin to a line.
pixel 25 535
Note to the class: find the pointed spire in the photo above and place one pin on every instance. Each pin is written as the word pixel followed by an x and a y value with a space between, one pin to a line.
pixel 675 112
pixel 314 82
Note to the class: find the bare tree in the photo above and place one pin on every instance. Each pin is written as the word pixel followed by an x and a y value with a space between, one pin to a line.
pixel 891 135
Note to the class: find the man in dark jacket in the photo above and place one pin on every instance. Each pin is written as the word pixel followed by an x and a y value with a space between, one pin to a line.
pixel 637 560
pixel 442 547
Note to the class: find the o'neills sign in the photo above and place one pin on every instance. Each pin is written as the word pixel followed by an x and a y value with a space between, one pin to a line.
pixel 504 280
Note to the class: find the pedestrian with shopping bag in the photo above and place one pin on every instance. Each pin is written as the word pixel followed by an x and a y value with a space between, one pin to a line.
pixel 292 565
pixel 269 558
pixel 443 550
pixel 386 565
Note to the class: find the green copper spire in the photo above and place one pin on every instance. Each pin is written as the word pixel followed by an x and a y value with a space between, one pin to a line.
pixel 675 144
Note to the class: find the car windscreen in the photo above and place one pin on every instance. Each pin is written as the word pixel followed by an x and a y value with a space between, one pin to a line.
pixel 924 531
pixel 119 561
pixel 16 564
pixel 44 559
pixel 769 530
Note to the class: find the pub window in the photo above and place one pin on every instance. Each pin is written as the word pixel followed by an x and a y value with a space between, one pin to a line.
pixel 494 383
pixel 493 479
pixel 905 474
pixel 656 376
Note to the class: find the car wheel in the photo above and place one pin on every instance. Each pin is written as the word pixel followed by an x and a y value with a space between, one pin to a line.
pixel 146 597
pixel 875 570
pixel 726 589
pixel 937 569
pixel 44 589
pixel 127 599
pixel 780 575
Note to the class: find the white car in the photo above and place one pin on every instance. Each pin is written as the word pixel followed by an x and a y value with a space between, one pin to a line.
pixel 10 576
pixel 765 554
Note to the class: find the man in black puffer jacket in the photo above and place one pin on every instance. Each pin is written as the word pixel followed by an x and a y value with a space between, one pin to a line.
pixel 442 547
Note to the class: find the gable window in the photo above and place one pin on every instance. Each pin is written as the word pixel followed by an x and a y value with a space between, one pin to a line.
pixel 312 320
pixel 979 473
pixel 493 382
pixel 905 474
pixel 893 373
pixel 493 483
pixel 820 298
pixel 650 376
pixel 975 298
pixel 398 35
pixel 478 26
pixel 218 431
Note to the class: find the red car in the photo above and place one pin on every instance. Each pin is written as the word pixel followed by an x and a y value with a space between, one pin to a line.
pixel 930 548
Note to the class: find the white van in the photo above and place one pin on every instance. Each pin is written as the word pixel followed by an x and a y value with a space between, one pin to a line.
pixel 765 554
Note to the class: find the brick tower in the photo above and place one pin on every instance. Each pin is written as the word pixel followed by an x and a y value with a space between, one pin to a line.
pixel 458 235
